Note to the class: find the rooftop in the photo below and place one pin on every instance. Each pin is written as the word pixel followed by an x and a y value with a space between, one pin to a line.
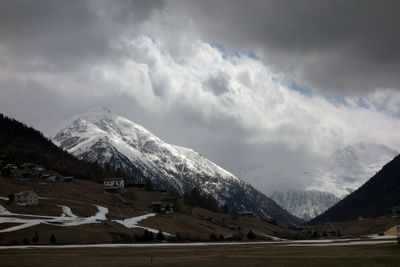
pixel 113 179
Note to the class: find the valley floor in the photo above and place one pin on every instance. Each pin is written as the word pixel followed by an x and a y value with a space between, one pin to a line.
pixel 91 227
pixel 386 254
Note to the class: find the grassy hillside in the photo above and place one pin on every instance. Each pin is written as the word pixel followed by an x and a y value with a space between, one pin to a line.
pixel 190 222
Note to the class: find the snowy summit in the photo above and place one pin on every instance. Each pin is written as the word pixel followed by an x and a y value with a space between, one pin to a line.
pixel 99 135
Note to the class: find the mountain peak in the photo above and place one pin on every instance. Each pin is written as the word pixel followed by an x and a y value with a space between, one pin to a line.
pixel 98 110
pixel 96 114
pixel 93 115
pixel 351 166
pixel 106 138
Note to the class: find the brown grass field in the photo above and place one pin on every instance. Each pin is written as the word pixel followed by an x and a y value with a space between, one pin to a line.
pixel 193 222
pixel 234 255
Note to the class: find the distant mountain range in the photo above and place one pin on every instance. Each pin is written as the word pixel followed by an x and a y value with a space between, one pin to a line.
pixel 101 136
pixel 305 204
pixel 376 197
pixel 350 167
pixel 345 171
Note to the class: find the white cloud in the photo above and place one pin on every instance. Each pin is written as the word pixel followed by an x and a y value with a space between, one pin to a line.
pixel 196 77
pixel 250 94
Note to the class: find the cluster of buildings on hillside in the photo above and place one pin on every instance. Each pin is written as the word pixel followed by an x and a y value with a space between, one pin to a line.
pixel 116 184
pixel 110 185
pixel 27 172
pixel 30 171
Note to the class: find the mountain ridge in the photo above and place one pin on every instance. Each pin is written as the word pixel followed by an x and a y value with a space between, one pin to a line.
pixel 99 135
pixel 305 204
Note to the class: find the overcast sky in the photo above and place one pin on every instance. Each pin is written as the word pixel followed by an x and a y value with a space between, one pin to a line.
pixel 268 85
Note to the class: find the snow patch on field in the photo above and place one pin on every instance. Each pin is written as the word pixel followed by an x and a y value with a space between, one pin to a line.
pixel 67 218
pixel 134 221
pixel 4 211
pixel 67 212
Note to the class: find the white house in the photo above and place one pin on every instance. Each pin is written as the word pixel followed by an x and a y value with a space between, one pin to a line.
pixel 29 198
pixel 113 184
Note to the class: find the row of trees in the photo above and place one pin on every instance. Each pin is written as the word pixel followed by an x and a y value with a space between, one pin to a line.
pixel 195 199
pixel 35 239
pixel 149 236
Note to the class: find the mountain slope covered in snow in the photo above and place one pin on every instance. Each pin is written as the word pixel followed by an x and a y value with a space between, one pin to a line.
pixel 101 136
pixel 305 204
pixel 344 171
pixel 350 167
pixel 377 197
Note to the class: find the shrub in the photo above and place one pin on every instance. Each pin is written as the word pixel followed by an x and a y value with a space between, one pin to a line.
pixel 213 237
pixel 147 236
pixel 251 235
pixel 35 239
pixel 160 236
pixel 179 237
pixel 52 240
pixel 25 241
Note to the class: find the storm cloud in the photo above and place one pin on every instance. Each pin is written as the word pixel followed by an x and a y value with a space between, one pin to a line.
pixel 328 45
pixel 249 84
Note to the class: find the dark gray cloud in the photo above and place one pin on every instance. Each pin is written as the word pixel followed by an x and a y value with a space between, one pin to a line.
pixel 336 45
pixel 64 35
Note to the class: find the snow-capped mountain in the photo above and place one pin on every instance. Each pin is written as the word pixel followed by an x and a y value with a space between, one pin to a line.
pixel 344 171
pixel 305 204
pixel 350 167
pixel 101 136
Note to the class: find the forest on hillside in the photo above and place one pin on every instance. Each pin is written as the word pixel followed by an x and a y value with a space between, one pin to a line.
pixel 20 143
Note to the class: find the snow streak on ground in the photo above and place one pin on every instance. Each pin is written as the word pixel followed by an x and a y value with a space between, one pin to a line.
pixel 133 223
pixel 67 218
pixel 67 212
